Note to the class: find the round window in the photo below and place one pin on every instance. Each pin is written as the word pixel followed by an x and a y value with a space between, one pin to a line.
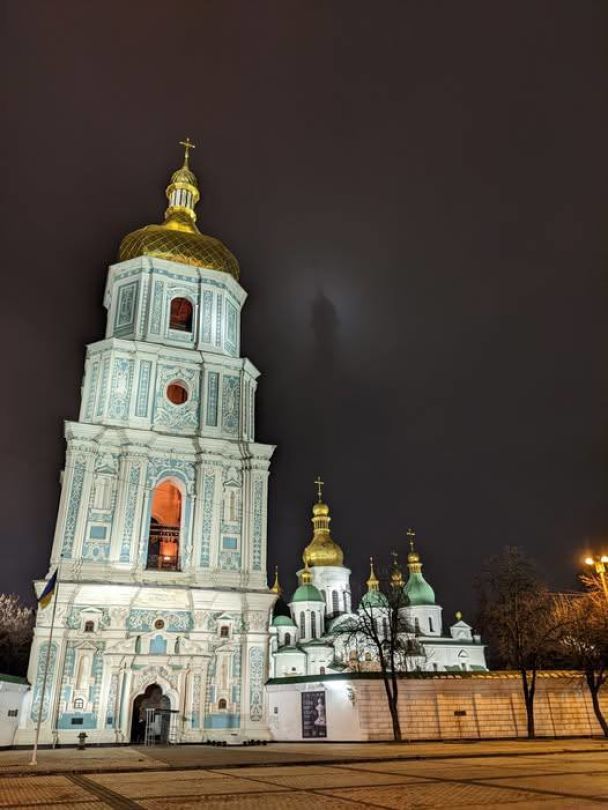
pixel 159 624
pixel 177 393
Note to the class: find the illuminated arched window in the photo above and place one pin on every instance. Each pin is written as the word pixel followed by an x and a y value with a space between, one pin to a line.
pixel 165 523
pixel 181 315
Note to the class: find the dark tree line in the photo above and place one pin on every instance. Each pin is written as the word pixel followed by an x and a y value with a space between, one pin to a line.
pixel 16 629
pixel 528 628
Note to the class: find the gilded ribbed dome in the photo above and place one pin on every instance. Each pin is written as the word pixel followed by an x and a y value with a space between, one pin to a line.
pixel 322 550
pixel 178 239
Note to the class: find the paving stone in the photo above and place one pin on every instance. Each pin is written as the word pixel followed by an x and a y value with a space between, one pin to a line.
pixel 45 791
pixel 264 801
pixel 321 777
pixel 179 783
pixel 434 794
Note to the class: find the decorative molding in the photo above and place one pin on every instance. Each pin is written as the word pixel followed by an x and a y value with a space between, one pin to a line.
pixel 256 683
pixel 73 507
pixel 208 493
pixel 131 501
pixel 231 391
pixel 213 382
pixel 143 388
pixel 258 513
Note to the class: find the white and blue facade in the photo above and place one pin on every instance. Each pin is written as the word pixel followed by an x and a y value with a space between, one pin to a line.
pixel 166 426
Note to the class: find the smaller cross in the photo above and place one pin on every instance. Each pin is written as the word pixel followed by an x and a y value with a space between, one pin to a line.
pixel 411 535
pixel 319 484
pixel 188 145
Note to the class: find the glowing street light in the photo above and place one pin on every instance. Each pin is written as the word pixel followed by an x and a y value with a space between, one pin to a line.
pixel 600 564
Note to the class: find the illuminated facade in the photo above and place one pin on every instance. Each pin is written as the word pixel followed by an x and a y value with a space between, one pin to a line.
pixel 302 642
pixel 161 531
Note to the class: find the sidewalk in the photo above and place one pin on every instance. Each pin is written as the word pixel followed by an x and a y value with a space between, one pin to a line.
pixel 192 757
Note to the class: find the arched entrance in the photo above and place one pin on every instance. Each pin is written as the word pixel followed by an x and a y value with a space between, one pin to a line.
pixel 151 717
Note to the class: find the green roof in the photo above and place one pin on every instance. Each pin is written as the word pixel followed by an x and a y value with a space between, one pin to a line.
pixel 418 591
pixel 373 599
pixel 307 593
pixel 283 621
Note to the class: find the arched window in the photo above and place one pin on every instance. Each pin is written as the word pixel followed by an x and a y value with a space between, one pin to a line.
pixel 335 602
pixel 224 631
pixel 221 704
pixel 165 522
pixel 385 627
pixel 181 315
pixel 368 656
pixel 287 639
pixel 302 624
pixel 89 627
pixel 417 625
pixel 345 600
pixel 430 625
pixel 321 670
pixel 313 625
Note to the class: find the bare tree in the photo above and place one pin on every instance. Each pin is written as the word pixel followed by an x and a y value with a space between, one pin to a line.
pixel 585 644
pixel 381 630
pixel 518 619
pixel 16 627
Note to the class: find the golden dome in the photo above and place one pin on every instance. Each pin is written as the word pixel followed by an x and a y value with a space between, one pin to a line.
pixel 322 550
pixel 178 239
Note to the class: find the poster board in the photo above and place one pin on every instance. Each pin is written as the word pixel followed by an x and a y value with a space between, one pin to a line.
pixel 314 715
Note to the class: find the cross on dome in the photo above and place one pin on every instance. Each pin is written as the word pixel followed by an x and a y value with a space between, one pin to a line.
pixel 188 145
pixel 411 535
pixel 320 484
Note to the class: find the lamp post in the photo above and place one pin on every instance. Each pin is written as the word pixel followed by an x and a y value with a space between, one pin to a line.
pixel 600 564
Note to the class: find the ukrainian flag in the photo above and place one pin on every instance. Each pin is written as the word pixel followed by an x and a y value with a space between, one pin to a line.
pixel 49 589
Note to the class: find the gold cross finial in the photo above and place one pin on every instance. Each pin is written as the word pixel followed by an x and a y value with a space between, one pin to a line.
pixel 411 535
pixel 188 145
pixel 320 485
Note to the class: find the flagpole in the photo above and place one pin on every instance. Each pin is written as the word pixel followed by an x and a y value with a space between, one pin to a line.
pixel 34 760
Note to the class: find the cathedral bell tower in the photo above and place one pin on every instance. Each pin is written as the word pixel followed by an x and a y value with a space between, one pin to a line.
pixel 161 532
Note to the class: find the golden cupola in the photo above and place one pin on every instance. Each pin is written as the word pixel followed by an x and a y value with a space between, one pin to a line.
pixel 322 549
pixel 178 239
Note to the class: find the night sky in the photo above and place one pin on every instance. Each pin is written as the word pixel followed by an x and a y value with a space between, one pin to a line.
pixel 416 193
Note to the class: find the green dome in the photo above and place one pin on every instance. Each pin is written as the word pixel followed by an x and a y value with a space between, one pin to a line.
pixel 373 599
pixel 418 591
pixel 307 593
pixel 283 621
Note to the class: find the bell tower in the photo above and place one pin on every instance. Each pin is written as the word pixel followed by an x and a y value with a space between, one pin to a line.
pixel 161 531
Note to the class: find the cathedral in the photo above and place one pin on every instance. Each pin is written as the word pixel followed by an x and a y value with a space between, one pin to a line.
pixel 160 542
pixel 310 634
pixel 159 625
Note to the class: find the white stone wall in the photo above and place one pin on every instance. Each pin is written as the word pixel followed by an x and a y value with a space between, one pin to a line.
pixel 439 708
pixel 12 698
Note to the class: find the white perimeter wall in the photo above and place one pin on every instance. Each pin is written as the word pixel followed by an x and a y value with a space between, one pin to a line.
pixel 431 708
pixel 11 699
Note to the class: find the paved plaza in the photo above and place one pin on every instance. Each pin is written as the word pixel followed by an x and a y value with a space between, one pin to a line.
pixel 562 774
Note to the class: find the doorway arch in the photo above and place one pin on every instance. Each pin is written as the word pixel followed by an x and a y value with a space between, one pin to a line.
pixel 152 698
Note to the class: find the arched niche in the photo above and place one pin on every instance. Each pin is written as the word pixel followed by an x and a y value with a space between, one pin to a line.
pixel 166 516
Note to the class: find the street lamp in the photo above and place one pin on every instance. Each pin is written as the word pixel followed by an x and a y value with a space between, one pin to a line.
pixel 601 565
